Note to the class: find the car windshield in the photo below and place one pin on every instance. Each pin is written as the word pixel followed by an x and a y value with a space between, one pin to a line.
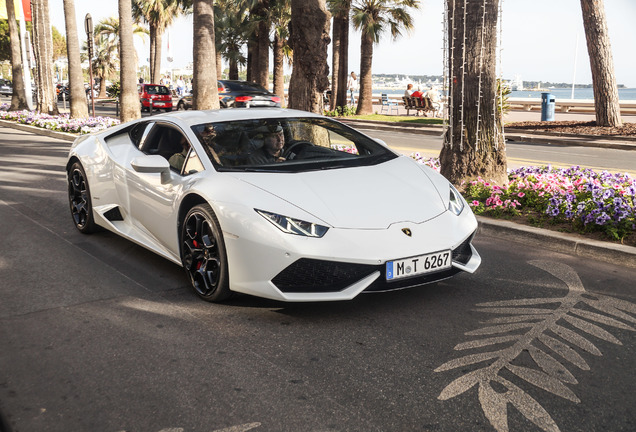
pixel 288 145
pixel 160 90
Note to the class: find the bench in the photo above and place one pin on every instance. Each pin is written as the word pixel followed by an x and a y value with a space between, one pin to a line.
pixel 424 105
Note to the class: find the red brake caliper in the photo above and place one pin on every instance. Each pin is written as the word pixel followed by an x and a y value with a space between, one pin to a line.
pixel 196 245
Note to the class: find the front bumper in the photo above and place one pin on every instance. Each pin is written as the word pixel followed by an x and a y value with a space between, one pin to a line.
pixel 345 262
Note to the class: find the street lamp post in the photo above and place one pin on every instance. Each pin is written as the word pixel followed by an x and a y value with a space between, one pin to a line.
pixel 88 26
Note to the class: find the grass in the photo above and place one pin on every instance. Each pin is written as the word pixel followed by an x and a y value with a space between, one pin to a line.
pixel 396 119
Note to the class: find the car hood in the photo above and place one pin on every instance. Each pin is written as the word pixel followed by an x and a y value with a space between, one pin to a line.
pixel 372 197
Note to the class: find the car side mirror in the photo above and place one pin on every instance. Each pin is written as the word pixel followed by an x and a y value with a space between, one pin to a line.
pixel 153 164
pixel 379 141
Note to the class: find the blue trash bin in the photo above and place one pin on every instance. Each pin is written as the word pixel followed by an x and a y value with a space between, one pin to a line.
pixel 547 107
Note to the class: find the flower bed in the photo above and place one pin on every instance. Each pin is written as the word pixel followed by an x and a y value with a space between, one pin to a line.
pixel 61 123
pixel 572 199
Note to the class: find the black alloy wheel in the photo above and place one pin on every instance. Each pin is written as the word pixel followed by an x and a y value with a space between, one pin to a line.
pixel 203 254
pixel 79 198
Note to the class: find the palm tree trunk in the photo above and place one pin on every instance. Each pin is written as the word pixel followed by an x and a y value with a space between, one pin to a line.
pixel 205 93
pixel 102 87
pixel 341 96
pixel 18 99
pixel 252 56
pixel 309 38
pixel 279 73
pixel 473 145
pixel 606 103
pixel 153 34
pixel 335 60
pixel 79 106
pixel 219 63
pixel 129 98
pixel 43 47
pixel 262 68
pixel 156 71
pixel 365 101
pixel 234 72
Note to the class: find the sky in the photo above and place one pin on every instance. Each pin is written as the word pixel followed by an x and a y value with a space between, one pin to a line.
pixel 542 40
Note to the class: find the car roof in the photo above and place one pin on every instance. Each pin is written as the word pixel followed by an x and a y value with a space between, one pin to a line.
pixel 191 118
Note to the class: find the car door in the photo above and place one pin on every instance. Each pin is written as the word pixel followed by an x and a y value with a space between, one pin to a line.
pixel 153 203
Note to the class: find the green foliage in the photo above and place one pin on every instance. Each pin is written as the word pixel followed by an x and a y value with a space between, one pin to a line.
pixel 344 111
pixel 114 90
pixel 59 44
pixel 5 47
pixel 503 91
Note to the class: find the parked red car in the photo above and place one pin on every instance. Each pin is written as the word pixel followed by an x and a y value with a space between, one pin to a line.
pixel 159 95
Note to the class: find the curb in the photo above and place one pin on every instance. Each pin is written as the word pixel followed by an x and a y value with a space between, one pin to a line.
pixel 570 244
pixel 39 131
pixel 581 140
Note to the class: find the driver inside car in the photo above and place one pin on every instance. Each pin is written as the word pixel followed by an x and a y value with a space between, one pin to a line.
pixel 272 149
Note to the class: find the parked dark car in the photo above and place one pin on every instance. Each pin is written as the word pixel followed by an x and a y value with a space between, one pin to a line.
pixel 6 88
pixel 238 94
pixel 159 95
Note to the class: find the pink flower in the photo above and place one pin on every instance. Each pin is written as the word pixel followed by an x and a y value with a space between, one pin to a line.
pixel 475 203
pixel 521 194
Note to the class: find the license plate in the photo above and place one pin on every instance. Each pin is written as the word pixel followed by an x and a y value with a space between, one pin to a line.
pixel 418 265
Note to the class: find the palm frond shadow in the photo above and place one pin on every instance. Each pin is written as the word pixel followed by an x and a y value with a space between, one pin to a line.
pixel 553 331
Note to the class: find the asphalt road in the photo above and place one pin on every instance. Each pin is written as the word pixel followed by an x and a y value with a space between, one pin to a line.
pixel 98 334
pixel 522 154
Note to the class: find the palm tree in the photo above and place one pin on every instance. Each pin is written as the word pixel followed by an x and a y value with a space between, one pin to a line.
pixel 43 47
pixel 262 61
pixel 473 144
pixel 105 62
pixel 606 102
pixel 108 29
pixel 372 18
pixel 79 107
pixel 340 10
pixel 158 14
pixel 18 99
pixel 129 98
pixel 231 29
pixel 204 89
pixel 258 41
pixel 309 41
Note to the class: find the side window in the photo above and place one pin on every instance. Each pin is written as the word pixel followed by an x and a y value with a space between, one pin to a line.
pixel 139 132
pixel 193 164
pixel 172 144
pixel 341 143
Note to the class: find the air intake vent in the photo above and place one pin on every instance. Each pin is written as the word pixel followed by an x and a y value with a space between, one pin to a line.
pixel 114 215
pixel 309 275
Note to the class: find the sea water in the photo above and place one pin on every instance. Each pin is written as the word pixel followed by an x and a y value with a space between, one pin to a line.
pixel 624 94
pixel 579 93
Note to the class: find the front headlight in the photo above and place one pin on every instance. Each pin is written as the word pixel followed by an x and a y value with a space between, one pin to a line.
pixel 294 226
pixel 456 202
